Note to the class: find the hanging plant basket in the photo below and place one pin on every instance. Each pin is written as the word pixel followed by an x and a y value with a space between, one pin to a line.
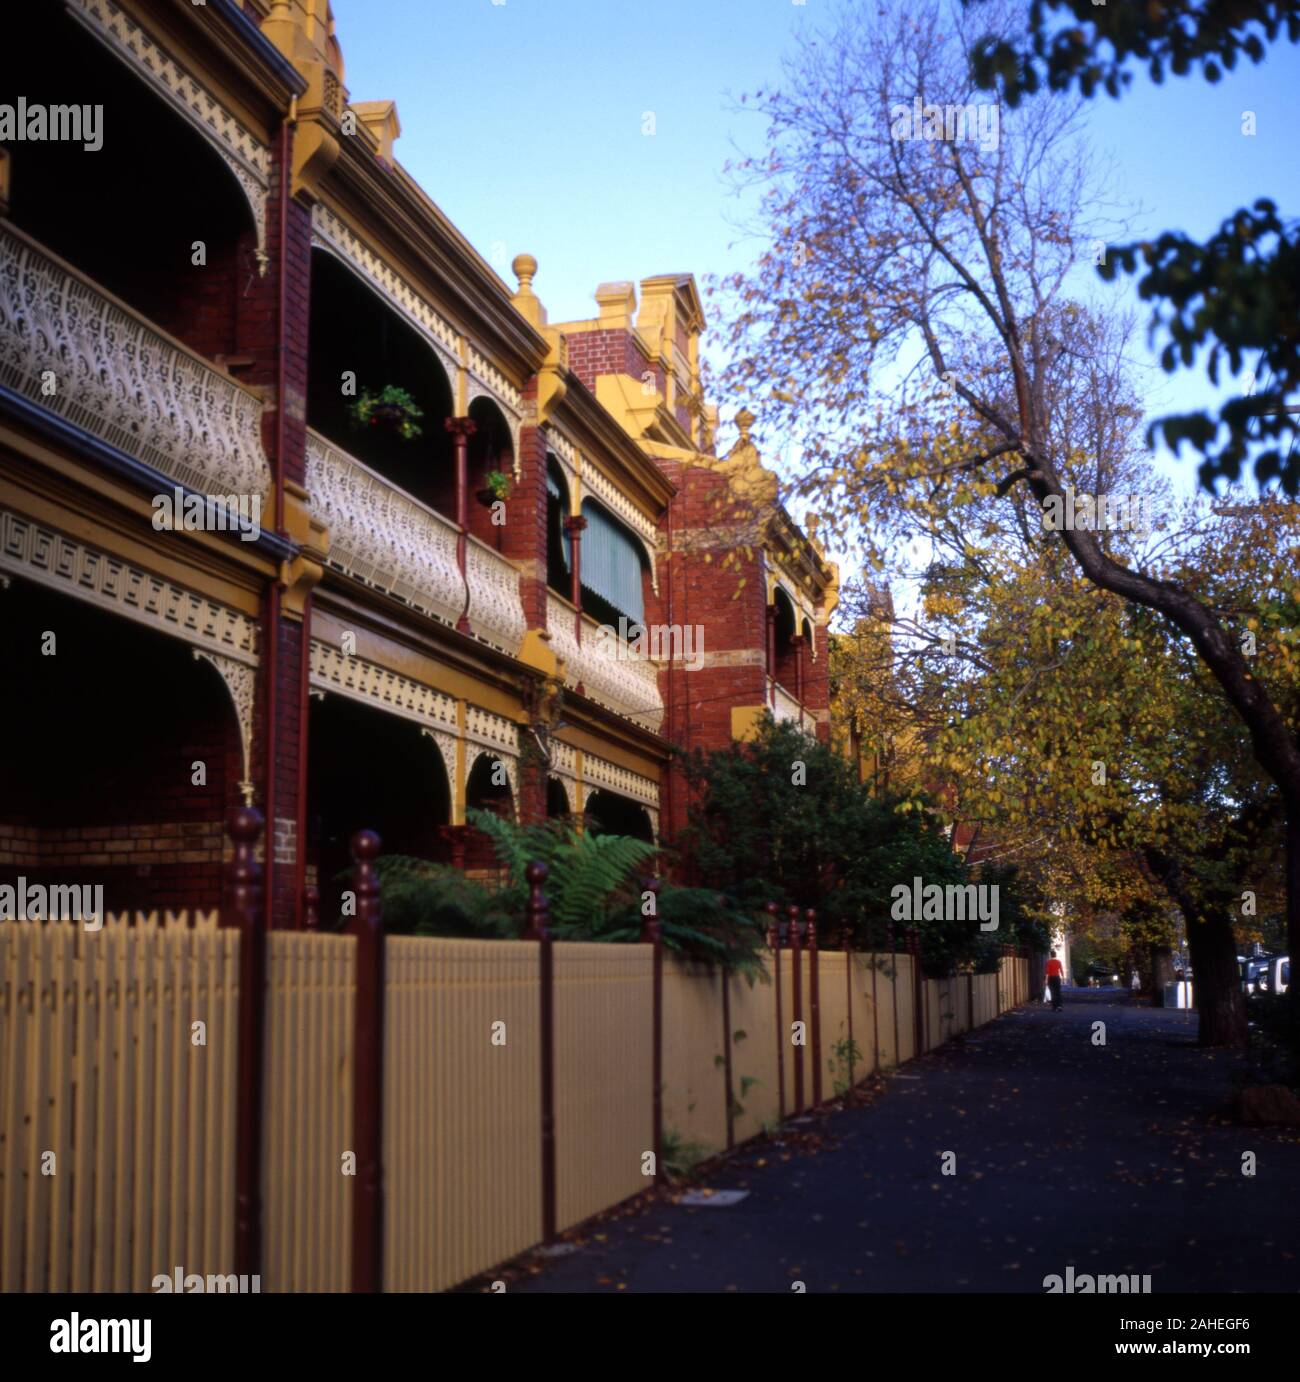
pixel 496 488
pixel 392 409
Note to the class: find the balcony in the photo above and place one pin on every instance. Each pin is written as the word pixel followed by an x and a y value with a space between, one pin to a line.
pixel 121 379
pixel 383 537
pixel 785 707
pixel 610 673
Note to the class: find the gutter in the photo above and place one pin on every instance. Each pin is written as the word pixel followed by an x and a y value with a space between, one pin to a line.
pixel 137 475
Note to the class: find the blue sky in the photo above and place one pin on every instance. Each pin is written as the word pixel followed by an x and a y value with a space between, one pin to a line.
pixel 523 120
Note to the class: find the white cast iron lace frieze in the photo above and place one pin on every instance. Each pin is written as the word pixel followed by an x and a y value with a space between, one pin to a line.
pixel 37 553
pixel 66 347
pixel 626 684
pixel 496 613
pixel 615 676
pixel 241 681
pixel 600 773
pixel 368 682
pixel 445 742
pixel 383 537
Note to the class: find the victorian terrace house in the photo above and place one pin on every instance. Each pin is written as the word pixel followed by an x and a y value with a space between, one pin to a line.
pixel 302 506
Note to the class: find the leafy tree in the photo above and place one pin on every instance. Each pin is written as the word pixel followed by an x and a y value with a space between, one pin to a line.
pixel 1239 291
pixel 911 329
pixel 783 818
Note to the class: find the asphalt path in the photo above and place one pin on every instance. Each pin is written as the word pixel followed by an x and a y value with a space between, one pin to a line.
pixel 1111 1159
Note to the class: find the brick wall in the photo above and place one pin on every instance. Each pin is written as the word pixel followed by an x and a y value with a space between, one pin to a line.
pixel 523 538
pixel 593 353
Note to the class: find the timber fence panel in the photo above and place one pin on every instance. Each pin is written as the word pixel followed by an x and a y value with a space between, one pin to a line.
pixel 694 1072
pixel 603 1075
pixel 876 983
pixel 307 1125
pixel 753 1055
pixel 462 1107
pixel 833 1005
pixel 100 1062
pixel 905 996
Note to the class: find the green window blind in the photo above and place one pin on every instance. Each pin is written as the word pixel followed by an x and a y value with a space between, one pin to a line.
pixel 612 562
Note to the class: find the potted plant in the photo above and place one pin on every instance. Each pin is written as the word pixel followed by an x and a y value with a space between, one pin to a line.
pixel 391 407
pixel 496 486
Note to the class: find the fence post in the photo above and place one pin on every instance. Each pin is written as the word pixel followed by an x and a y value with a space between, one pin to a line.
pixel 796 1014
pixel 814 1006
pixel 536 928
pixel 893 981
pixel 729 1094
pixel 368 1069
pixel 774 940
pixel 243 910
pixel 652 934
pixel 970 999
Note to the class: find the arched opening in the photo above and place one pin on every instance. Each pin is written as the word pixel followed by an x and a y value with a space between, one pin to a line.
pixel 557 800
pixel 491 451
pixel 486 789
pixel 358 340
pixel 610 814
pixel 136 212
pixel 370 771
pixel 123 758
pixel 558 558
pixel 784 667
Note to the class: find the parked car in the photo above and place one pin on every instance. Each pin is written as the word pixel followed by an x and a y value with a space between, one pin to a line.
pixel 1265 973
pixel 1276 976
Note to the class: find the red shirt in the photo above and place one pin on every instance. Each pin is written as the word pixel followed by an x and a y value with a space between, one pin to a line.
pixel 1054 970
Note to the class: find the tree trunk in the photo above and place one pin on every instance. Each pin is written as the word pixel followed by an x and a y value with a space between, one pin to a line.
pixel 1212 949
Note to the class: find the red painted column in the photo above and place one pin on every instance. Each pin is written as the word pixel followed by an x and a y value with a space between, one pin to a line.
pixel 575 525
pixel 243 909
pixel 796 985
pixel 368 1071
pixel 462 429
pixel 536 928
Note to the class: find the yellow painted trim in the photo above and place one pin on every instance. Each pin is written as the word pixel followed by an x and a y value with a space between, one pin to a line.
pixel 744 721
pixel 458 791
pixel 95 532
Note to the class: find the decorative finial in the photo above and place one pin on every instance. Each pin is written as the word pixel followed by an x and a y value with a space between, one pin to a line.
pixel 744 420
pixel 524 267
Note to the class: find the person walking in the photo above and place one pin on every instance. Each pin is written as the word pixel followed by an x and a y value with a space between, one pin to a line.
pixel 1134 985
pixel 1054 974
